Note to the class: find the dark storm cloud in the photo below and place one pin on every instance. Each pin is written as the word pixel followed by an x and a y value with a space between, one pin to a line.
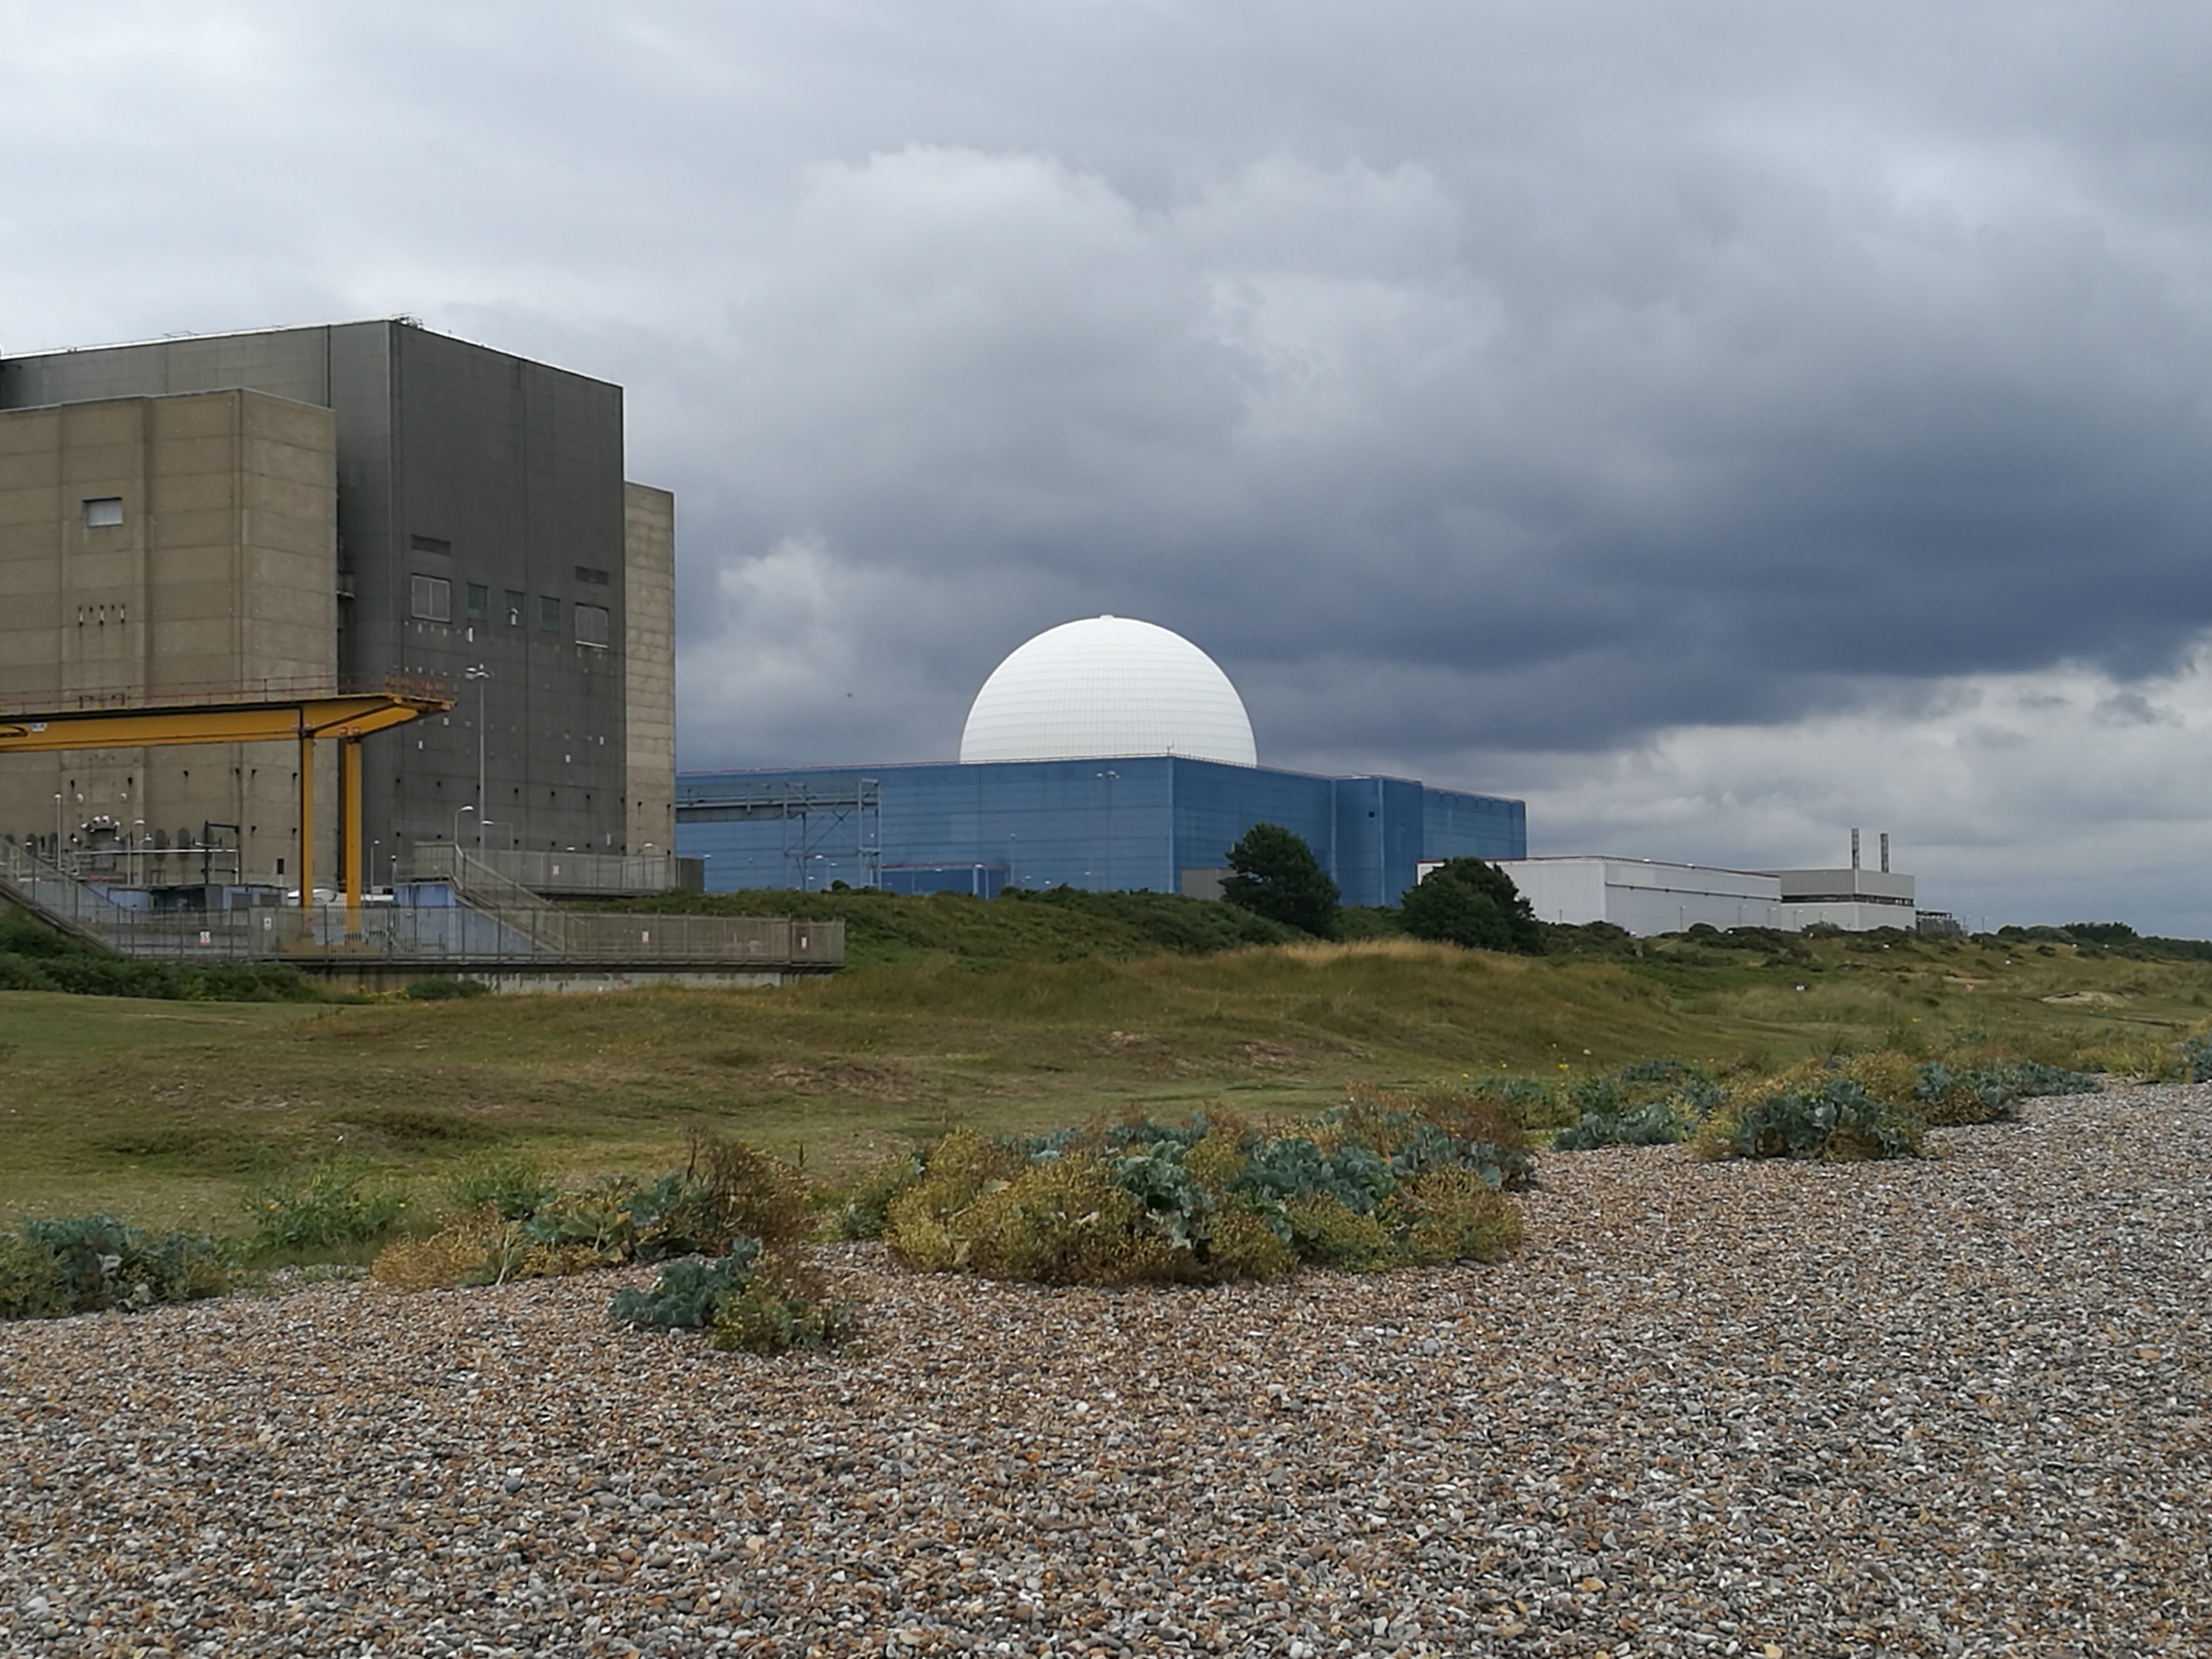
pixel 1474 382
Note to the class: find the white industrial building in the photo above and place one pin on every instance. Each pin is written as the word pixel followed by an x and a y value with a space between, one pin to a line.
pixel 1647 896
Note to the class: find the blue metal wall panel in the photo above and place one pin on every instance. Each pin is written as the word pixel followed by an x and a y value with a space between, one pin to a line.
pixel 1403 832
pixel 1215 803
pixel 1456 825
pixel 1135 822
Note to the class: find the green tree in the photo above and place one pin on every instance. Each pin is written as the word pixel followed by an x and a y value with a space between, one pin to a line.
pixel 1466 902
pixel 1278 877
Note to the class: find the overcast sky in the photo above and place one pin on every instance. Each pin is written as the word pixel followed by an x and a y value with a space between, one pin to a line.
pixel 1718 423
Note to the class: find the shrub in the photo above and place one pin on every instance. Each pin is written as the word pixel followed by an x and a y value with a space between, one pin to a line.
pixel 22 974
pixel 1203 1202
pixel 683 1297
pixel 955 1173
pixel 1468 902
pixel 1243 1242
pixel 868 1201
pixel 33 1284
pixel 767 1301
pixel 91 1264
pixel 1065 1222
pixel 1438 1126
pixel 783 1306
pixel 1649 1103
pixel 1326 1233
pixel 594 1222
pixel 476 1248
pixel 672 1216
pixel 512 1185
pixel 1278 877
pixel 1532 1107
pixel 756 1195
pixel 727 1189
pixel 1988 1094
pixel 1837 1120
pixel 2196 1055
pixel 336 1206
pixel 1189 926
pixel 1452 1214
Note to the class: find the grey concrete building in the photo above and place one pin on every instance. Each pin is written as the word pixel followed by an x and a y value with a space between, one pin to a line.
pixel 342 503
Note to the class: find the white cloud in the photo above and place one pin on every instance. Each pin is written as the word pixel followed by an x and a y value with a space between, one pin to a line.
pixel 2054 796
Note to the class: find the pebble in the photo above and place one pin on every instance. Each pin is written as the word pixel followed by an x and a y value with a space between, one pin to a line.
pixel 1950 1406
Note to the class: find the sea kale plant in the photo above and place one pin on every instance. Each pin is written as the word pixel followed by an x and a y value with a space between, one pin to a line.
pixel 1651 1102
pixel 759 1301
pixel 96 1264
pixel 1382 1181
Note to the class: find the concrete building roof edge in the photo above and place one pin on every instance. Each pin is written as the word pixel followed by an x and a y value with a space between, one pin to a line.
pixel 396 321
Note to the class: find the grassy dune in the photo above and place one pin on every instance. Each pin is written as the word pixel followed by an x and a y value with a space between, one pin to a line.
pixel 168 1112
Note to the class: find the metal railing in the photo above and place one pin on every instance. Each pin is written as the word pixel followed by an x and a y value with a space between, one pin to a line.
pixel 520 929
pixel 261 689
pixel 487 888
pixel 614 875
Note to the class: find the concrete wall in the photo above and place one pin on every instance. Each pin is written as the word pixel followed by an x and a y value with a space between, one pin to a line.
pixel 649 663
pixel 473 467
pixel 220 574
pixel 1848 886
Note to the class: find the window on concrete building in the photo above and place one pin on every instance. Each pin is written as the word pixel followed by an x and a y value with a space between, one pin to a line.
pixel 586 573
pixel 593 625
pixel 514 607
pixel 433 598
pixel 102 512
pixel 549 613
pixel 479 602
pixel 429 545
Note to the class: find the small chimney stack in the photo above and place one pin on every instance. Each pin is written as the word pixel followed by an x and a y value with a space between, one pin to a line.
pixel 1885 852
pixel 1855 849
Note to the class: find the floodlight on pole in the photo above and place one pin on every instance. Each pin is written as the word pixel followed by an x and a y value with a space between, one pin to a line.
pixel 481 673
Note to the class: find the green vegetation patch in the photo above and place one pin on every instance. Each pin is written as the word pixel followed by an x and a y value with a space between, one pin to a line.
pixel 1384 1181
pixel 96 1264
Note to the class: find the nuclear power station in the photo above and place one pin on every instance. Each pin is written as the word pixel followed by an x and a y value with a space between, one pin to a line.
pixel 331 508
pixel 375 565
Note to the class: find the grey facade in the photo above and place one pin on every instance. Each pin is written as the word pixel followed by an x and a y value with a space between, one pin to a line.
pixel 483 522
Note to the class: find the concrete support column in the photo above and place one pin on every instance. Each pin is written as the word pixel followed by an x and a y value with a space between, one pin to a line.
pixel 350 826
pixel 306 820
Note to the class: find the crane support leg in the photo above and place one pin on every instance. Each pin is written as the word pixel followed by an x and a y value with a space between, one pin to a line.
pixel 349 824
pixel 306 820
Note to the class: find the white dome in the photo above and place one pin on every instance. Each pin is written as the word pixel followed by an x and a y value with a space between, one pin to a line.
pixel 1107 686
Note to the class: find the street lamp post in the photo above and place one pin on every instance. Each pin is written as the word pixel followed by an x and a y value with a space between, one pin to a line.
pixel 482 675
pixel 458 811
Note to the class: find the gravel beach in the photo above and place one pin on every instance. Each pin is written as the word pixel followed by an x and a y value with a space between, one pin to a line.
pixel 1956 1406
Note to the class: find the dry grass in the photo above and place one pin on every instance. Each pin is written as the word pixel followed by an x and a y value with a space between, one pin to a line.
pixel 166 1112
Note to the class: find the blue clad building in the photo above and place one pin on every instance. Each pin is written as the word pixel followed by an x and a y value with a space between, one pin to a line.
pixel 1105 754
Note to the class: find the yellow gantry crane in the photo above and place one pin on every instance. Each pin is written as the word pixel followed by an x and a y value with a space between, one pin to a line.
pixel 344 717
